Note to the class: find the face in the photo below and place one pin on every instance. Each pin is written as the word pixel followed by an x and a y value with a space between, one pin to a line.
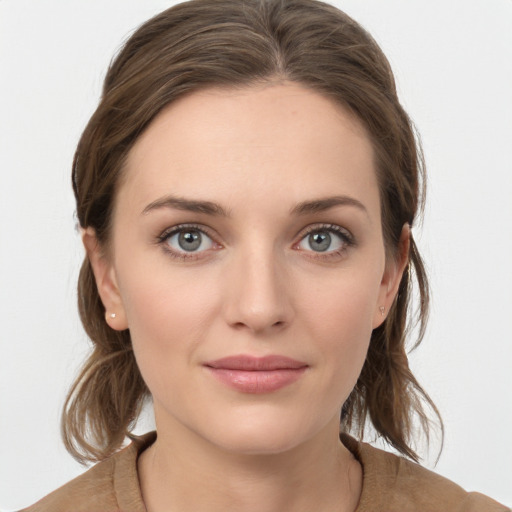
pixel 248 262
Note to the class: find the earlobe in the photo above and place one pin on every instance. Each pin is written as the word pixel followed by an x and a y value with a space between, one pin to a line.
pixel 392 277
pixel 106 281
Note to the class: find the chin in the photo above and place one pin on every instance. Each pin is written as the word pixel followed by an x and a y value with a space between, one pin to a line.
pixel 262 434
pixel 266 442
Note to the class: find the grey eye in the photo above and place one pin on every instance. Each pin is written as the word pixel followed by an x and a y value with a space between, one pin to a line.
pixel 189 240
pixel 324 240
pixel 319 241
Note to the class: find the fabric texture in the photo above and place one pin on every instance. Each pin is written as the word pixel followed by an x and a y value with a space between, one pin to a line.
pixel 390 484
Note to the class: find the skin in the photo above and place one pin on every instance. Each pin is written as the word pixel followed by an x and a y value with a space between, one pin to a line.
pixel 257 285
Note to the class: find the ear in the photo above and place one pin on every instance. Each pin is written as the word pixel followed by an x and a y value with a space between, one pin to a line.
pixel 392 276
pixel 106 281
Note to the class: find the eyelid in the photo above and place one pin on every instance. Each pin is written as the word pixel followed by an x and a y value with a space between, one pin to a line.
pixel 322 226
pixel 341 232
pixel 173 230
pixel 167 232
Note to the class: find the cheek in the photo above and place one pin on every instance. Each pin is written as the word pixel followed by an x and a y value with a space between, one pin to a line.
pixel 168 316
pixel 339 319
pixel 342 303
pixel 162 296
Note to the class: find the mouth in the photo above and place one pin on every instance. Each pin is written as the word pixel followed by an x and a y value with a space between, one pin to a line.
pixel 249 374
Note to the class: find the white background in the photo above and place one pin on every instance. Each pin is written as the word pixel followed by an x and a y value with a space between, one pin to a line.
pixel 453 64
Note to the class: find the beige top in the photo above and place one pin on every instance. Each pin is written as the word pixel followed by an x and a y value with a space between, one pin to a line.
pixel 390 484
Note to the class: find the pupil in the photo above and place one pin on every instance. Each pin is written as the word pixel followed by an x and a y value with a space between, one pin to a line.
pixel 320 241
pixel 189 240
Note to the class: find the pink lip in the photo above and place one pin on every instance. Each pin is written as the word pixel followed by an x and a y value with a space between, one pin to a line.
pixel 250 374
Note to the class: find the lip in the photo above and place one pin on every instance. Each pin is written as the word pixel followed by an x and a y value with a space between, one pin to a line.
pixel 250 374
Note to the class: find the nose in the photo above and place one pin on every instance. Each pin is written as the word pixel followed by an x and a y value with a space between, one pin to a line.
pixel 259 298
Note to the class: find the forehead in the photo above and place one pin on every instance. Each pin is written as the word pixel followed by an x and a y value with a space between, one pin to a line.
pixel 249 142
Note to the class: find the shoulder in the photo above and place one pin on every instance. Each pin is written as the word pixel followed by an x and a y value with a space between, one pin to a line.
pixel 392 483
pixel 91 489
pixel 110 486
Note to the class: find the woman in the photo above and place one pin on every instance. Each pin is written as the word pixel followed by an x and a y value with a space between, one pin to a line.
pixel 246 191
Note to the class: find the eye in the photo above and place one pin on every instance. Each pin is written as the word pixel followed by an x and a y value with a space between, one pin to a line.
pixel 326 239
pixel 186 241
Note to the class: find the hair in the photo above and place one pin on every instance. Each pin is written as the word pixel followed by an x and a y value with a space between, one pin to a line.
pixel 238 43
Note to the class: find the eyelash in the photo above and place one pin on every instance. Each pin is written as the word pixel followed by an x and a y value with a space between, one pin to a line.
pixel 342 233
pixel 168 233
pixel 346 237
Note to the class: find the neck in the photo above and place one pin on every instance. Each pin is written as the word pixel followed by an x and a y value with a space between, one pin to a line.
pixel 191 474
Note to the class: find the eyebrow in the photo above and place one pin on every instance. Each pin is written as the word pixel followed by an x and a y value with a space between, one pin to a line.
pixel 320 205
pixel 211 208
pixel 190 205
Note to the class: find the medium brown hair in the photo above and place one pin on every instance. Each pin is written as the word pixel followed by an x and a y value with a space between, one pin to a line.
pixel 238 43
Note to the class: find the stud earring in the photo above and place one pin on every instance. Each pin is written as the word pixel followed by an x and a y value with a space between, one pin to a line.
pixel 382 309
pixel 112 315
